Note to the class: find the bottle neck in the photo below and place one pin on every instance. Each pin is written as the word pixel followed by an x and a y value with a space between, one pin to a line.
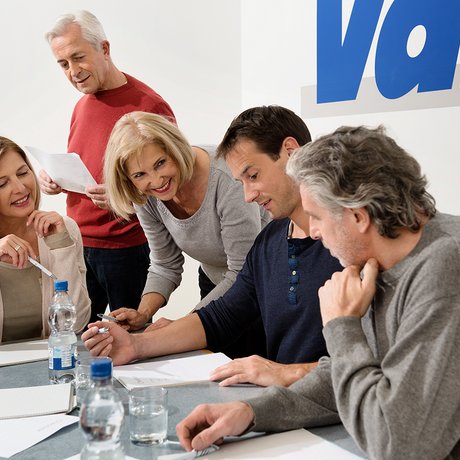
pixel 98 382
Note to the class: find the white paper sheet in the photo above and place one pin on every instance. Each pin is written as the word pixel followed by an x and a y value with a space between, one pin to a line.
pixel 290 445
pixel 18 434
pixel 66 169
pixel 169 372
pixel 77 457
pixel 23 352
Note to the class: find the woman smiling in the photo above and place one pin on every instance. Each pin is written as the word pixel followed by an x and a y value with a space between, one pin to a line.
pixel 25 231
pixel 186 201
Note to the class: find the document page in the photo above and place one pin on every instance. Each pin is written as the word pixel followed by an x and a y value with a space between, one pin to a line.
pixel 170 372
pixel 77 457
pixel 32 430
pixel 66 169
pixel 290 445
pixel 23 352
pixel 39 400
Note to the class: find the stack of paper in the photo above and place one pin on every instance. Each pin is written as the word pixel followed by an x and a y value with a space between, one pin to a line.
pixel 170 372
pixel 31 401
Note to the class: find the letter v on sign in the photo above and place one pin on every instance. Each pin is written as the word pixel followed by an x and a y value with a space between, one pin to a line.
pixel 340 65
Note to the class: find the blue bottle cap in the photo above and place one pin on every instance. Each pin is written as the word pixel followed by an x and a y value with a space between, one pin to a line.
pixel 61 285
pixel 101 368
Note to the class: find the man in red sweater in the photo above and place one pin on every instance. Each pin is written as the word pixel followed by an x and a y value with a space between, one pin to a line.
pixel 116 251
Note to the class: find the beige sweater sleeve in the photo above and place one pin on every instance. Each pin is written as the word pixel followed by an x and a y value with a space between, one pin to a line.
pixel 66 262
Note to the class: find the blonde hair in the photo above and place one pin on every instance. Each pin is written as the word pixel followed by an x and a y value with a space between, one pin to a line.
pixel 129 136
pixel 7 145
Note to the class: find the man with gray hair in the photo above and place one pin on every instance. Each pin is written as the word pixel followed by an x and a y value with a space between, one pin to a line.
pixel 116 252
pixel 391 317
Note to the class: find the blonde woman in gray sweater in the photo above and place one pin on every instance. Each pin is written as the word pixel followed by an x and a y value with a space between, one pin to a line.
pixel 186 201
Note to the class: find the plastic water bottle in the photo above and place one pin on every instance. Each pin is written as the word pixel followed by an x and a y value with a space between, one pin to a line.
pixel 62 342
pixel 101 415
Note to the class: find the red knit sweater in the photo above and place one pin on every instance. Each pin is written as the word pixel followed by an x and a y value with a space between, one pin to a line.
pixel 92 121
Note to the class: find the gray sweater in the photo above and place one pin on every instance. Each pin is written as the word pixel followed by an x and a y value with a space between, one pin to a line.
pixel 218 235
pixel 393 377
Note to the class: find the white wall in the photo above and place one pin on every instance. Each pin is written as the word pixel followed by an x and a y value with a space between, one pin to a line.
pixel 189 52
pixel 210 59
pixel 279 58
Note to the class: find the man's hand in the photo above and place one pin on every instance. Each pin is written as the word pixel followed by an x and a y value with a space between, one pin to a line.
pixel 116 343
pixel 97 195
pixel 208 424
pixel 260 371
pixel 47 185
pixel 346 294
pixel 130 318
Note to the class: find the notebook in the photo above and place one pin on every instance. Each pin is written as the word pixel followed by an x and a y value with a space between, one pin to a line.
pixel 40 400
pixel 171 372
pixel 23 352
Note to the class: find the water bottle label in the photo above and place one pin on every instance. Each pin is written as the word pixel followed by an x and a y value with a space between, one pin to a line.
pixel 61 358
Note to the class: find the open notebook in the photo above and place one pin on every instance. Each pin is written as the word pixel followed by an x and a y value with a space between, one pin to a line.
pixel 23 352
pixel 169 372
pixel 31 401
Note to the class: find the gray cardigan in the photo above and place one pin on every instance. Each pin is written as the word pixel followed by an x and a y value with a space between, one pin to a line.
pixel 393 377
pixel 218 235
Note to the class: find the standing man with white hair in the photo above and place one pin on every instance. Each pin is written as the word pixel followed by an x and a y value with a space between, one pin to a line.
pixel 116 251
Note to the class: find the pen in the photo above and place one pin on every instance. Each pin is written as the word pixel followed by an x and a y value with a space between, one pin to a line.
pixel 190 455
pixel 108 318
pixel 42 268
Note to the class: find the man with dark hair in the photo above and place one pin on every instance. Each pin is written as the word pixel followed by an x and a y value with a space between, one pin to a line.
pixel 116 251
pixel 279 280
pixel 391 317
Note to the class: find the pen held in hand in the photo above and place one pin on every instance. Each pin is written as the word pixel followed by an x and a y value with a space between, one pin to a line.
pixel 42 268
pixel 108 318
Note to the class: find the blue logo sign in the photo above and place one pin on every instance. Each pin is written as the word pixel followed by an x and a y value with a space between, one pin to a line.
pixel 341 62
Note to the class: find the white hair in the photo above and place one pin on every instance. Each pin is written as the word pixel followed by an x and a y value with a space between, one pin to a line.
pixel 91 29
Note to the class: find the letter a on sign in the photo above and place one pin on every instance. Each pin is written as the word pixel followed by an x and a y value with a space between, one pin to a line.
pixel 396 73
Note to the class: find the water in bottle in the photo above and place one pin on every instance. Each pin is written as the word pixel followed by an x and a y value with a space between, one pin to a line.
pixel 62 342
pixel 101 415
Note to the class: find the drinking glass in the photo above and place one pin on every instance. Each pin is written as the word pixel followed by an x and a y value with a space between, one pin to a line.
pixel 148 415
